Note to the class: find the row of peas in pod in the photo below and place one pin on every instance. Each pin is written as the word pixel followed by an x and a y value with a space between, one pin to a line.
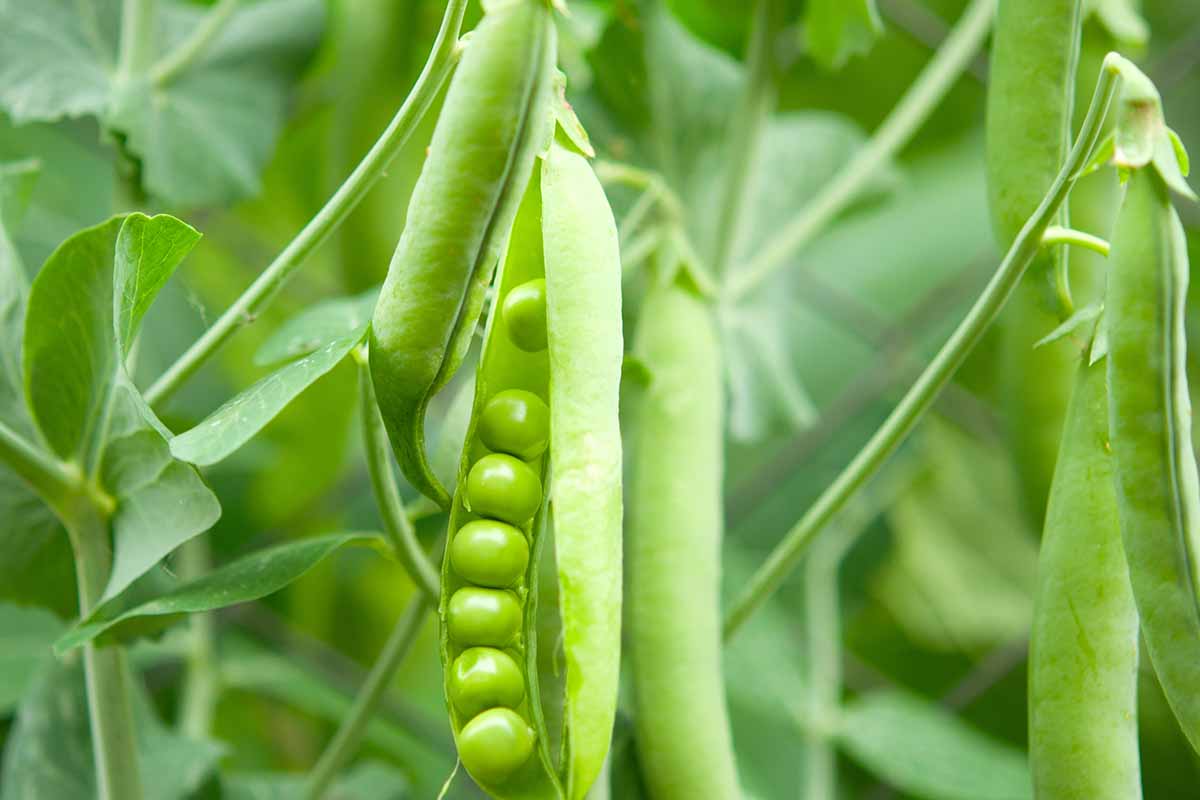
pixel 507 187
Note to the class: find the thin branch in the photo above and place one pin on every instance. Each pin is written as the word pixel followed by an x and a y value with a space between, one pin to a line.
pixel 178 60
pixel 445 53
pixel 137 38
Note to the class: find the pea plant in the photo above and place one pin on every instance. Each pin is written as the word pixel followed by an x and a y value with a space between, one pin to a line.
pixel 871 501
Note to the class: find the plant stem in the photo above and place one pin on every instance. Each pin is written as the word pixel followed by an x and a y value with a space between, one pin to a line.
pixel 757 101
pixel 178 60
pixel 1056 234
pixel 349 735
pixel 396 524
pixel 52 479
pixel 109 681
pixel 927 386
pixel 950 61
pixel 200 683
pixel 445 53
pixel 137 38
pixel 823 636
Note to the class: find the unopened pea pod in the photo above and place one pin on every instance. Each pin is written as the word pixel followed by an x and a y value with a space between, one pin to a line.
pixel 1083 651
pixel 1158 494
pixel 494 120
pixel 543 435
pixel 681 722
pixel 1035 48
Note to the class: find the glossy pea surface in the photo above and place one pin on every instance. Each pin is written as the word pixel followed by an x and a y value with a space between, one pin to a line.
pixel 504 488
pixel 524 313
pixel 483 617
pixel 483 678
pixel 489 553
pixel 515 422
pixel 495 744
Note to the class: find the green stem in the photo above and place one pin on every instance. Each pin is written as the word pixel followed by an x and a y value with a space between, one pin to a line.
pixel 444 55
pixel 396 524
pixel 757 102
pixel 354 726
pixel 109 680
pixel 824 649
pixel 1056 234
pixel 200 684
pixel 950 61
pixel 137 38
pixel 921 395
pixel 53 480
pixel 178 60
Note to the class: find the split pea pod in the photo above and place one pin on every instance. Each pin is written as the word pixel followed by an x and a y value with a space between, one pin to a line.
pixel 494 120
pixel 1083 653
pixel 681 722
pixel 1158 494
pixel 1035 50
pixel 543 437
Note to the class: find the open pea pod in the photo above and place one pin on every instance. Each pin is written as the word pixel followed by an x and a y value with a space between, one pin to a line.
pixel 545 415
pixel 495 119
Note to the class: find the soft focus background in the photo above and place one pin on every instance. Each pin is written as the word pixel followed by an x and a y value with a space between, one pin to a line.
pixel 934 591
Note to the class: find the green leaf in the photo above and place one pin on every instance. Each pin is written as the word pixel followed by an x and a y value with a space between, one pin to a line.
pixel 1082 318
pixel 26 639
pixel 1123 21
pixel 238 420
pixel 82 399
pixel 371 780
pixel 49 750
pixel 318 326
pixel 835 30
pixel 248 578
pixel 925 751
pixel 202 134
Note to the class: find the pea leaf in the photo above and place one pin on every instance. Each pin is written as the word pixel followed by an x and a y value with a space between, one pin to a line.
pixel 371 780
pixel 26 638
pixel 248 578
pixel 318 326
pixel 1122 19
pixel 84 310
pixel 239 419
pixel 203 130
pixel 835 30
pixel 925 751
pixel 49 750
pixel 1082 318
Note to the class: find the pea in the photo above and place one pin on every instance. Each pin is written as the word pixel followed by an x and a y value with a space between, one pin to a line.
pixel 524 313
pixel 515 422
pixel 503 487
pixel 495 744
pixel 483 617
pixel 482 678
pixel 489 553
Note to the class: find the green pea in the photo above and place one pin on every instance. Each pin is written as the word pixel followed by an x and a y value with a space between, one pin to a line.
pixel 515 422
pixel 482 678
pixel 483 617
pixel 524 313
pixel 503 487
pixel 489 553
pixel 495 744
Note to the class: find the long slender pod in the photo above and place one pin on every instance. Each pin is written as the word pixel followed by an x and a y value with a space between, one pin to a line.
pixel 583 309
pixel 491 127
pixel 1158 494
pixel 1083 657
pixel 681 722
pixel 1031 82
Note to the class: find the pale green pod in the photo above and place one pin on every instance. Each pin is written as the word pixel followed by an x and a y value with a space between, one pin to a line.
pixel 494 121
pixel 583 308
pixel 1158 493
pixel 681 722
pixel 1083 649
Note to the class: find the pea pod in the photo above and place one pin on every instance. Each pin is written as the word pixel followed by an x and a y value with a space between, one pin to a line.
pixel 682 725
pixel 494 120
pixel 545 414
pixel 1150 424
pixel 1029 105
pixel 1083 656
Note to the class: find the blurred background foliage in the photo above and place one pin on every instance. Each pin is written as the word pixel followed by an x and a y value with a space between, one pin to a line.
pixel 934 592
